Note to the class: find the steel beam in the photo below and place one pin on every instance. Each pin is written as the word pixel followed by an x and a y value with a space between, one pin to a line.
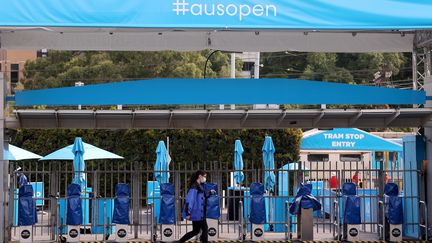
pixel 219 119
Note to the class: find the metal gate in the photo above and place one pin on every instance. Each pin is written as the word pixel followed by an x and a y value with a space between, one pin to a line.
pixel 51 179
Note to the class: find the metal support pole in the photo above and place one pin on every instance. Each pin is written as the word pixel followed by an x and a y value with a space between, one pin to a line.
pixel 135 197
pixel 153 223
pixel 414 69
pixel 241 222
pixel 233 71
pixel 336 217
pixel 257 66
pixel 4 171
pixel 428 134
pixel 288 234
pixel 427 63
pixel 381 222
pixel 54 202
pixel 423 206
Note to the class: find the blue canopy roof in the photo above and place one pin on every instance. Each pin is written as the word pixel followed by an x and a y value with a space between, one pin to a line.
pixel 213 91
pixel 220 14
pixel 346 139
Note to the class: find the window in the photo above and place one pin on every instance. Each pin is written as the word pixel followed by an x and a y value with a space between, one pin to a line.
pixel 42 53
pixel 248 66
pixel 350 157
pixel 14 74
pixel 318 157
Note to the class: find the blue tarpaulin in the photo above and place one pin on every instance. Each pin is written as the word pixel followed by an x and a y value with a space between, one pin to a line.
pixel 22 179
pixel 258 209
pixel 26 206
pixel 238 162
pixel 212 207
pixel 351 214
pixel 393 204
pixel 304 199
pixel 167 207
pixel 74 209
pixel 121 204
pixel 349 189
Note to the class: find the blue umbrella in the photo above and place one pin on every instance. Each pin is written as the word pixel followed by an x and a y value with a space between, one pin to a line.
pixel 91 153
pixel 238 162
pixel 78 163
pixel 76 153
pixel 268 159
pixel 161 165
pixel 16 153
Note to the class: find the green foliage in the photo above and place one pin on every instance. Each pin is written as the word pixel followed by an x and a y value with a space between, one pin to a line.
pixel 356 68
pixel 186 146
pixel 62 68
pixel 352 68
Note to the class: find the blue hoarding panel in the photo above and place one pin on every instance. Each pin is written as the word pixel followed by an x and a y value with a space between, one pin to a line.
pixel 39 194
pixel 102 212
pixel 214 91
pixel 153 196
pixel 414 154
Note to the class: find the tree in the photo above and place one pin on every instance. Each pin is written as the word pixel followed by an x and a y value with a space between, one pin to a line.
pixel 63 68
pixel 358 68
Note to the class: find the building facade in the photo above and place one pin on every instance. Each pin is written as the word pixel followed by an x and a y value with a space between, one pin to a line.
pixel 12 64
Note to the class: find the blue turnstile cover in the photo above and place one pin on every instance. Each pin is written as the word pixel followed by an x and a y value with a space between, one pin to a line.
pixel 27 214
pixel 212 207
pixel 167 206
pixel 121 204
pixel 258 210
pixel 393 205
pixel 74 208
pixel 352 210
pixel 304 199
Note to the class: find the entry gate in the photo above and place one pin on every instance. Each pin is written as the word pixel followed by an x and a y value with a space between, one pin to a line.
pixel 51 179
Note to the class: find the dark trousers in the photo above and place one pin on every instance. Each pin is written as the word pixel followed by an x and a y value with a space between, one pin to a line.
pixel 196 227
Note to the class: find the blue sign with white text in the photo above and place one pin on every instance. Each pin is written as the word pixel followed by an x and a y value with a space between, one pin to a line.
pixel 346 139
pixel 220 14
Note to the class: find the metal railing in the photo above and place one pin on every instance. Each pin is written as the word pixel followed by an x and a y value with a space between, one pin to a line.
pixel 382 225
pixel 104 175
pixel 242 231
pixel 288 234
pixel 424 226
pixel 336 220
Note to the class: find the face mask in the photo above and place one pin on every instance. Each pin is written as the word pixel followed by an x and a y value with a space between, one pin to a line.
pixel 203 180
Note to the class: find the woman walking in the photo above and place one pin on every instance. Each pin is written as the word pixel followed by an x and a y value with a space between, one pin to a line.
pixel 195 207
